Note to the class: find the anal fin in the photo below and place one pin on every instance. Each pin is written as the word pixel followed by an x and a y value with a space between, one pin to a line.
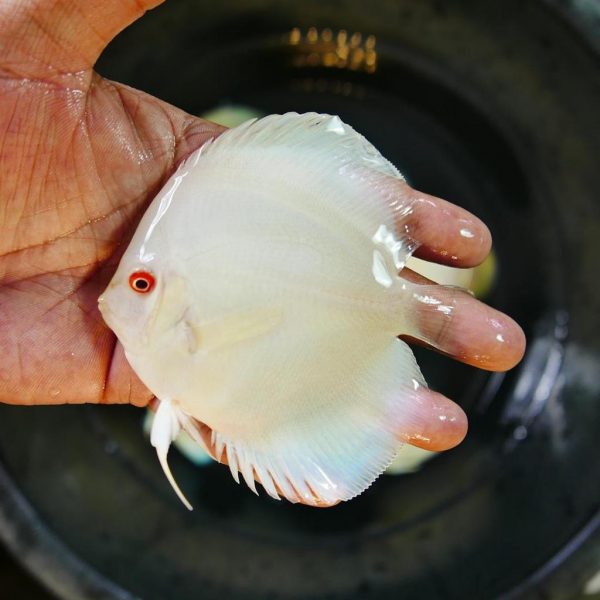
pixel 335 450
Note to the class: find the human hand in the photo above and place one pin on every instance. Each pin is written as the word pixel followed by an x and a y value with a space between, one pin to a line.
pixel 80 159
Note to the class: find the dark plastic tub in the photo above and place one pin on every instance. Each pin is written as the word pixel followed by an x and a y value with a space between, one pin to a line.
pixel 493 105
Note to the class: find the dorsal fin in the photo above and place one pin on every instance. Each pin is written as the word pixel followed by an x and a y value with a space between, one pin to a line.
pixel 347 186
pixel 330 140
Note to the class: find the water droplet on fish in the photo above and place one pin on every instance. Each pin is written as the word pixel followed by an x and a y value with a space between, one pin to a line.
pixel 54 392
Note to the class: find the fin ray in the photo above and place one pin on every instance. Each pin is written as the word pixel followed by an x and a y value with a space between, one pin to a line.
pixel 165 428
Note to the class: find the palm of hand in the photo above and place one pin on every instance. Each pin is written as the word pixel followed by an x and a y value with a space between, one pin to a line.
pixel 81 158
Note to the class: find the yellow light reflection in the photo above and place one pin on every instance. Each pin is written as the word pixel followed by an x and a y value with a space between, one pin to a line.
pixel 331 49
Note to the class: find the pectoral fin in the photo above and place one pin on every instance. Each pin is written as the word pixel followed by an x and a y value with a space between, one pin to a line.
pixel 173 301
pixel 231 329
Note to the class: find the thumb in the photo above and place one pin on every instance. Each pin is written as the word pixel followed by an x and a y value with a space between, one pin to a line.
pixel 45 39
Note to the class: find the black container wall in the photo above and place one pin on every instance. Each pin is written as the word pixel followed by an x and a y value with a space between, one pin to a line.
pixel 492 105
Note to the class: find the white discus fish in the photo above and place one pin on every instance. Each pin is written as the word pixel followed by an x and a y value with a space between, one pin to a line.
pixel 260 296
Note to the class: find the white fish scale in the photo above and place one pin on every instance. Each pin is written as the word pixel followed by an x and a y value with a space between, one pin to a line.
pixel 348 160
pixel 284 181
pixel 309 404
pixel 277 261
pixel 287 199
pixel 274 223
pixel 244 376
pixel 270 202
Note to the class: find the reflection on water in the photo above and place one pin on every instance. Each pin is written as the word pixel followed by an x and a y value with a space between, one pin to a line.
pixel 540 377
pixel 324 48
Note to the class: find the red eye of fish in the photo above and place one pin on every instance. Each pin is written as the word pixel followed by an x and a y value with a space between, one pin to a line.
pixel 141 282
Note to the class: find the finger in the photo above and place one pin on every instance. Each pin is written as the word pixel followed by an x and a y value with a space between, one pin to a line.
pixel 48 38
pixel 122 385
pixel 431 421
pixel 447 234
pixel 456 324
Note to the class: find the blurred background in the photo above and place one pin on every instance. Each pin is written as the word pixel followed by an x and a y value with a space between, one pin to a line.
pixel 492 105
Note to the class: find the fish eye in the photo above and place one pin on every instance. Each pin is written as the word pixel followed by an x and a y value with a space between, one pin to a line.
pixel 141 282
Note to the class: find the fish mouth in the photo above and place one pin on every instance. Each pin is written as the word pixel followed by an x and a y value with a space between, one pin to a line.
pixel 104 309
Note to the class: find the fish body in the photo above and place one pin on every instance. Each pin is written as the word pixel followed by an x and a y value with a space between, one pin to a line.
pixel 274 304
